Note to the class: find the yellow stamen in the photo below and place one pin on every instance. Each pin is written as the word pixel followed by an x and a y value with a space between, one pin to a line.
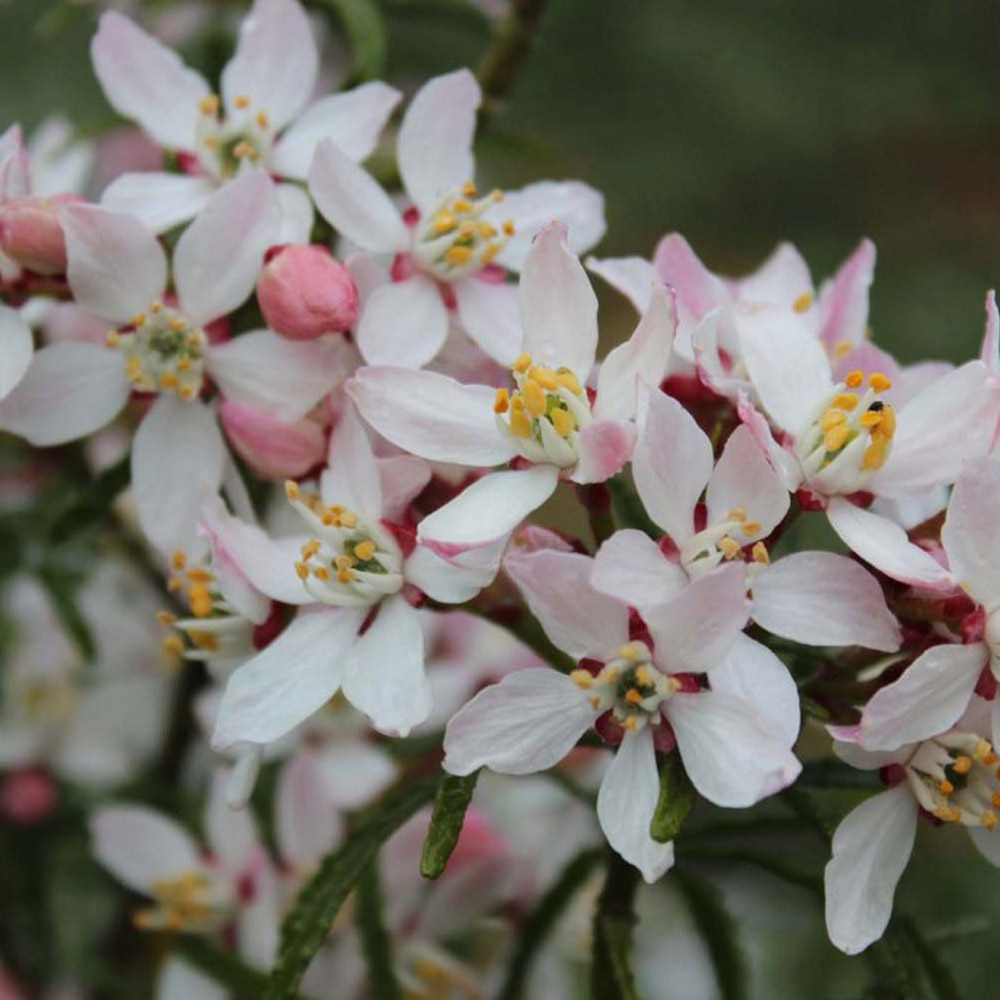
pixel 520 425
pixel 729 547
pixel 876 453
pixel 631 651
pixel 832 418
pixel 803 302
pixel 174 645
pixel 209 105
pixel 879 382
pixel 462 206
pixel 545 377
pixel 365 550
pixel 854 379
pixel 737 514
pixel 200 600
pixel 962 765
pixel 752 528
pixel 630 723
pixel 643 675
pixel 165 618
pixel 835 438
pixel 113 339
pixel 199 575
pixel 842 349
pixel 292 490
pixel 178 560
pixel 569 381
pixel 947 814
pixel 521 363
pixel 156 308
pixel 457 256
pixel 633 696
pixel 469 189
pixel 988 819
pixel 563 421
pixel 168 380
pixel 487 231
pixel 871 419
pixel 501 404
pixel 443 222
pixel 302 571
pixel 888 427
pixel 581 678
pixel 262 120
pixel 310 548
pixel 241 102
pixel 845 401
pixel 534 398
pixel 321 573
pixel 208 641
pixel 508 228
pixel 760 554
pixel 946 788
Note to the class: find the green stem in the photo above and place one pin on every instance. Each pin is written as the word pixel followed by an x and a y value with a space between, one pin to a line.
pixel 222 966
pixel 375 940
pixel 611 974
pixel 512 41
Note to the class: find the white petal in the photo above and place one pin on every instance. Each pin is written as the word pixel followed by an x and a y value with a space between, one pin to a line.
pixel 180 981
pixel 297 215
pixel 229 833
pixel 870 850
pixel 146 81
pixel 353 120
pixel 275 63
pixel 823 599
pixel 631 567
pixel 434 149
pixel 308 823
pixel 403 323
pixel 843 302
pixel 605 447
pixel 160 201
pixel 68 392
pixel 352 475
pixel 459 577
pixel 218 258
pixel 355 772
pixel 987 844
pixel 16 349
pixel 632 276
pixel 526 723
pixel 781 279
pixel 626 803
pixel 490 316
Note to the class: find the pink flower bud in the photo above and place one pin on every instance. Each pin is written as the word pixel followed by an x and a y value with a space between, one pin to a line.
pixel 27 796
pixel 31 233
pixel 305 292
pixel 272 448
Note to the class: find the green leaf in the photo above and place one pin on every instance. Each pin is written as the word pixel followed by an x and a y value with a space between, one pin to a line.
pixel 306 925
pixel 937 972
pixel 627 507
pixel 450 803
pixel 88 506
pixel 611 972
pixel 677 798
pixel 362 23
pixel 61 592
pixel 375 941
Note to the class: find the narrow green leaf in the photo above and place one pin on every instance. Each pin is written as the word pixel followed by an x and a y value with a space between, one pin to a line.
pixel 89 505
pixel 308 921
pixel 375 941
pixel 938 974
pixel 60 590
pixel 627 507
pixel 611 971
pixel 362 23
pixel 222 966
pixel 450 803
pixel 677 798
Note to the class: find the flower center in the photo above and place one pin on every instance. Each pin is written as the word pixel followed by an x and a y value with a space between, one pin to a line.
pixel 629 686
pixel 163 352
pixel 46 700
pixel 725 540
pixel 955 778
pixel 545 413
pixel 455 239
pixel 430 974
pixel 225 143
pixel 349 563
pixel 184 903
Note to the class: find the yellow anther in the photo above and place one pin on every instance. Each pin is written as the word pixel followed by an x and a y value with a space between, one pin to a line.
pixel 490 252
pixel 545 377
pixel 310 548
pixel 995 800
pixel 343 562
pixel 466 229
pixel 563 421
pixel 302 571
pixel 737 514
pixel 241 101
pixel 345 575
pixel 611 674
pixel 113 339
pixel 595 702
pixel 184 364
pixel 133 369
pixel 199 575
pixel 842 348
pixel 729 547
pixel 177 560
pixel 871 419
pixel 348 520
pixel 242 149
pixel 200 600
pixel 209 105
pixel 165 618
pixel 752 528
pixel 458 256
pixel 962 765
pixel 175 585
pixel 487 231
pixel 208 641
pixel 983 750
pixel 633 696
pixel 496 194
pixel 520 425
pixel 947 814
pixel 462 206
pixel 168 380
pixel 581 678
pixel 292 490
pixel 946 788
pixel 469 189
pixel 211 143
pixel 760 554
pixel 643 675
pixel 365 550
pixel 501 403
pixel 185 392
pixel 321 573
pixel 177 324
pixel 854 379
pixel 803 302
pixel 521 363
pixel 845 401
pixel 194 340
pixel 832 418
pixel 630 723
pixel 836 437
pixel 508 228
pixel 888 428
pixel 631 651
pixel 879 382
pixel 174 645
pixel 443 222
pixel 569 381
pixel 262 119
pixel 988 819
pixel 876 453
pixel 156 308
pixel 534 398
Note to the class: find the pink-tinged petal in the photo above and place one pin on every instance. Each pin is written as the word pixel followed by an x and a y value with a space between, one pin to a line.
pixel 971 531
pixel 15 165
pixel 696 630
pixel 577 618
pixel 177 456
pixel 990 352
pixel 434 149
pixel 273 448
pixel 526 723
pixel 159 201
pixel 642 358
pixel 431 415
pixel 870 850
pixel 626 803
pixel 68 392
pixel 632 276
pixel 351 477
pixel 782 279
pixel 259 918
pixel 403 323
pixel 287 377
pixel 459 577
pixel 631 567
pixel 16 349
pixel 489 314
pixel 605 447
pixel 403 478
pixel 297 216
pixel 353 203
pixel 384 673
pixel 229 833
pixel 139 846
pixel 789 370
pixel 575 204
pixel 928 699
pixel 844 301
pixel 677 265
pixel 218 258
pixel 781 460
pixel 868 357
pixel 353 120
pixel 558 306
pixel 744 478
pixel 757 677
pixel 938 430
pixel 144 80
pixel 355 772
pixel 61 163
pixel 671 464
pixel 116 266
pixel 730 753
pixel 275 63
pixel 290 679
pixel 824 599
pixel 487 510
pixel 884 544
pixel 308 822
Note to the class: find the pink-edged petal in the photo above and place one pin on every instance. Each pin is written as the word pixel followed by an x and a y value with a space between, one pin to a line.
pixel 353 120
pixel 290 679
pixel 259 918
pixel 139 846
pixel 580 620
pixel 558 306
pixel 844 301
pixel 642 358
pixel 884 544
pixel 488 509
pixel 696 630
pixel 146 81
pixel 275 63
pixel 632 276
pixel 698 290
pixel 824 599
pixel 781 460
pixel 68 392
pixel 384 673
pixel 16 349
pixel 579 206
pixel 160 201
pixel 938 430
pixel 782 279
pixel 220 254
pixel 605 447
pixel 459 577
pixel 971 531
pixel 631 567
pixel 287 377
pixel 308 822
pixel 671 464
pixel 990 352
pixel 489 314
pixel 434 149
pixel 403 478
pixel 403 323
pixel 626 803
pixel 744 478
pixel 871 847
pixel 177 457
pixel 116 267
pixel 351 477
pixel 272 447
pixel 353 203
pixel 730 753
pixel 431 415
pixel 526 723
pixel 297 216
pixel 928 699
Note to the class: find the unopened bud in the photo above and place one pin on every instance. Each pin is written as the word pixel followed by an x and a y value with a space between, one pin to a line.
pixel 305 292
pixel 273 448
pixel 31 233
